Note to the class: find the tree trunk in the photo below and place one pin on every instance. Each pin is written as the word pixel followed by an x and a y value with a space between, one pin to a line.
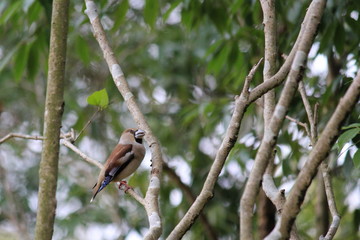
pixel 52 121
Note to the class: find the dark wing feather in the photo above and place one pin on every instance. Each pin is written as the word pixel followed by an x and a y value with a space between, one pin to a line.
pixel 118 160
pixel 120 157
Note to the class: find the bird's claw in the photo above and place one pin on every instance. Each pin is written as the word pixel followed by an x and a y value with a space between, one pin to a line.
pixel 124 186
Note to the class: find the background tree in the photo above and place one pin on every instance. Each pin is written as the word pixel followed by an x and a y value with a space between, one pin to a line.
pixel 184 61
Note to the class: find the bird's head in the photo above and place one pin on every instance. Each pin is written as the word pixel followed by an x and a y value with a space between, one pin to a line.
pixel 132 134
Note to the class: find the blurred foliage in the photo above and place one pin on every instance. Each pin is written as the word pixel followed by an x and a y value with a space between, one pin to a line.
pixel 184 61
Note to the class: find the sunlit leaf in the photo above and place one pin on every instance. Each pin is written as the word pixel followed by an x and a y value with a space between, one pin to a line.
pixel 99 98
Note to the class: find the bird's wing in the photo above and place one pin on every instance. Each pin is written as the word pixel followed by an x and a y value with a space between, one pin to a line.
pixel 118 160
pixel 120 157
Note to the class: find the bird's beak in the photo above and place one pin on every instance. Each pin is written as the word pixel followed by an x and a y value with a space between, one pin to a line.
pixel 139 133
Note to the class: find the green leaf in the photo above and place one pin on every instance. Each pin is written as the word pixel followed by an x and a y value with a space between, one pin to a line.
pixel 82 49
pixel 356 159
pixel 20 61
pixel 347 136
pixel 354 125
pixel 35 12
pixel 121 13
pixel 151 12
pixel 234 7
pixel 99 98
pixel 33 62
pixel 286 167
pixel 217 63
pixel 339 38
pixel 171 8
pixel 214 46
pixel 5 60
pixel 10 11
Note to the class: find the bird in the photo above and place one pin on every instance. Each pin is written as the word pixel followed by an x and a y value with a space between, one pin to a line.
pixel 123 160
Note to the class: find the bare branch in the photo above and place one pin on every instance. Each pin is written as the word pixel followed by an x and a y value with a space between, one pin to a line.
pixel 68 144
pixel 152 194
pixel 249 78
pixel 304 125
pixel 313 133
pixel 268 8
pixel 271 133
pixel 331 202
pixel 317 155
pixel 19 135
pixel 313 119
pixel 231 135
pixel 32 137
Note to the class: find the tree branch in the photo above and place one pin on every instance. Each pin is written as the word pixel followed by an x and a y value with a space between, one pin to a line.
pixel 231 135
pixel 266 213
pixel 269 140
pixel 152 194
pixel 317 155
pixel 313 119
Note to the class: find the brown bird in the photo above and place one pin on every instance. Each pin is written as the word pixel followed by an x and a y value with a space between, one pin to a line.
pixel 123 161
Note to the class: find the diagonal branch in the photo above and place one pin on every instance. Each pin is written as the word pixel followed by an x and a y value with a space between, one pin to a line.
pixel 317 155
pixel 152 194
pixel 241 103
pixel 269 140
pixel 312 116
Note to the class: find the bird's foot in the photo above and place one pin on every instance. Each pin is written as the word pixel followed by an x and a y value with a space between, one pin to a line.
pixel 124 186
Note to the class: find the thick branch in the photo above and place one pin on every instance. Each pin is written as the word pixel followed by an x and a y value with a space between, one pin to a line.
pixel 228 142
pixel 268 8
pixel 317 155
pixel 266 213
pixel 271 133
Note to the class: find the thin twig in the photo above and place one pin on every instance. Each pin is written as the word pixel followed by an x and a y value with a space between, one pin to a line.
pixel 88 122
pixel 32 137
pixel 313 120
pixel 19 135
pixel 80 153
pixel 304 125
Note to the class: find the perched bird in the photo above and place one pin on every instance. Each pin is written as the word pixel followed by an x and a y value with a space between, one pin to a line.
pixel 123 161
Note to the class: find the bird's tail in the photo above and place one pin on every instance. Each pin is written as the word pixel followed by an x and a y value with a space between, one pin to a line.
pixel 104 183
